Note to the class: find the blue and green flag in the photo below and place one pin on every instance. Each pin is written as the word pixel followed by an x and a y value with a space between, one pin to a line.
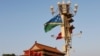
pixel 53 22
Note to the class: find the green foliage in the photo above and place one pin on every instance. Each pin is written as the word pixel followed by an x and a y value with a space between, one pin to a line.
pixel 8 55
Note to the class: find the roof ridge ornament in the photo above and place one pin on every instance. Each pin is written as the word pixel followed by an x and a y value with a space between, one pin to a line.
pixel 35 42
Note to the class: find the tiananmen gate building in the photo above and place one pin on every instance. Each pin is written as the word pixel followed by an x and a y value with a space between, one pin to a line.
pixel 42 50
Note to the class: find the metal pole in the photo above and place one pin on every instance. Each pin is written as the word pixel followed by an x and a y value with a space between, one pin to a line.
pixel 64 12
pixel 66 16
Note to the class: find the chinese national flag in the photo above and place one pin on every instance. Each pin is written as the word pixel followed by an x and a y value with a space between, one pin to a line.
pixel 59 36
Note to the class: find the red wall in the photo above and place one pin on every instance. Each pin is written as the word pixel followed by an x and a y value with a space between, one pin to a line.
pixel 32 53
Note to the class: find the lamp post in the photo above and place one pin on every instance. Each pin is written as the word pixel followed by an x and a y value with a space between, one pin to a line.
pixel 66 15
pixel 66 26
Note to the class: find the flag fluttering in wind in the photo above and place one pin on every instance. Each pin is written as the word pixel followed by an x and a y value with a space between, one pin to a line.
pixel 53 22
pixel 59 36
pixel 69 33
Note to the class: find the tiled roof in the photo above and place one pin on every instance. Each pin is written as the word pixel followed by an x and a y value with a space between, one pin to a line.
pixel 45 47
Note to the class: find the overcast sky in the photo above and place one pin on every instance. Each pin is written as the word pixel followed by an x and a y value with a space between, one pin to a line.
pixel 22 23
